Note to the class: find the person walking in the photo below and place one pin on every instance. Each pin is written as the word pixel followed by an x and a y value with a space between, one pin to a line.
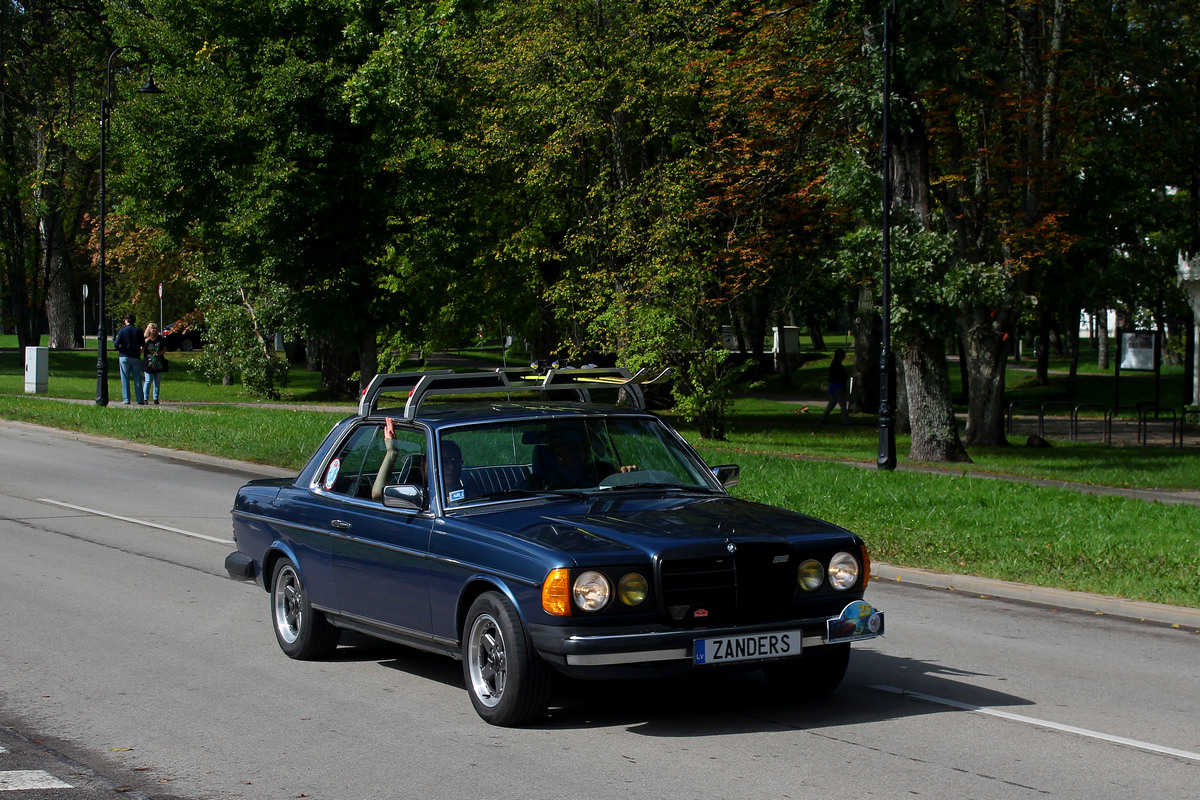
pixel 154 361
pixel 128 343
pixel 837 387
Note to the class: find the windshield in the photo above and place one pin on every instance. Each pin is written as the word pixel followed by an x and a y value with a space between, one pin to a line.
pixel 565 455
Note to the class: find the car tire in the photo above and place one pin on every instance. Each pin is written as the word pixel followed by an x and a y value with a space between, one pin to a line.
pixel 302 632
pixel 819 671
pixel 187 346
pixel 508 682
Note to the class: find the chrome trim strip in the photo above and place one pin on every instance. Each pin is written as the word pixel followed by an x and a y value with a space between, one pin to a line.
pixel 425 555
pixel 680 654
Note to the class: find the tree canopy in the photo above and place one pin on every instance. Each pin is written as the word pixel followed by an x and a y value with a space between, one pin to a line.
pixel 611 178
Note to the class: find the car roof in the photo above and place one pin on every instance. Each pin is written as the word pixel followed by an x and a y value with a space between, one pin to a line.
pixel 577 384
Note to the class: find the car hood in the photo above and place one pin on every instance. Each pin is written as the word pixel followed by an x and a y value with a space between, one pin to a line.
pixel 628 527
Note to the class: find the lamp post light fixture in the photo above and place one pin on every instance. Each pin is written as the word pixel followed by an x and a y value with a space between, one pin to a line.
pixel 105 104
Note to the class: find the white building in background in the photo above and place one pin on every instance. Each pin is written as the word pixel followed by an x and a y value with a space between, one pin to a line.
pixel 784 344
pixel 1089 323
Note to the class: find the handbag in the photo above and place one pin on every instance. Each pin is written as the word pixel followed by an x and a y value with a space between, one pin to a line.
pixel 155 362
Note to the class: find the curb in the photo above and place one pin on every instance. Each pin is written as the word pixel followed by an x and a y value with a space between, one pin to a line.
pixel 1175 616
pixel 212 462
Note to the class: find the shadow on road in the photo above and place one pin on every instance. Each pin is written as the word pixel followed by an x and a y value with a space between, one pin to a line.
pixel 732 702
pixel 746 703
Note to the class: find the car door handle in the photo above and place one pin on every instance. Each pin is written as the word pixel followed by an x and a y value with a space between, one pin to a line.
pixel 341 525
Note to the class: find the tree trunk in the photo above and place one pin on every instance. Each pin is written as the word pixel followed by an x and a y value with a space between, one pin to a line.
pixel 1102 339
pixel 926 374
pixel 368 359
pixel 985 349
pixel 902 422
pixel 814 331
pixel 867 330
pixel 337 365
pixel 16 299
pixel 927 377
pixel 12 231
pixel 1072 346
pixel 312 354
pixel 1043 348
pixel 59 278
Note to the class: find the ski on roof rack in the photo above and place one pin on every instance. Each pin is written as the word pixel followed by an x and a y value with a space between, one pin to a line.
pixel 420 385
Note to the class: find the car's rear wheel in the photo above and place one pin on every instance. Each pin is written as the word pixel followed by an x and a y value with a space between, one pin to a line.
pixel 187 345
pixel 817 672
pixel 508 682
pixel 301 631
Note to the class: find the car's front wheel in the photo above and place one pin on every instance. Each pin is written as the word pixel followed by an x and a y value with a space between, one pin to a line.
pixel 302 632
pixel 508 682
pixel 817 672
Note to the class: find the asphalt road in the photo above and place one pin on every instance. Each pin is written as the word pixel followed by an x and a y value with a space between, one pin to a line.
pixel 130 665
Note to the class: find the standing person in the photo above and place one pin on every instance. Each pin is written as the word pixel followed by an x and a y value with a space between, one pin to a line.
pixel 128 343
pixel 837 387
pixel 154 361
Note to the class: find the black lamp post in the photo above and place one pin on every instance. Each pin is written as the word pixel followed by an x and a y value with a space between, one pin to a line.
pixel 887 364
pixel 105 104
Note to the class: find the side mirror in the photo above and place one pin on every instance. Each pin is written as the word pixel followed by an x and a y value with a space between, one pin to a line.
pixel 727 474
pixel 406 496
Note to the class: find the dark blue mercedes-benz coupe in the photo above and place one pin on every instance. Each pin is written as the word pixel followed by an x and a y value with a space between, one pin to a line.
pixel 511 520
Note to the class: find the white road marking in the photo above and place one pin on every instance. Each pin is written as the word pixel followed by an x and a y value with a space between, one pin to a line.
pixel 180 531
pixel 995 712
pixel 21 779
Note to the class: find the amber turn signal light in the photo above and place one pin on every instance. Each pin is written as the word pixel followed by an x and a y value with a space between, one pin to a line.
pixel 556 593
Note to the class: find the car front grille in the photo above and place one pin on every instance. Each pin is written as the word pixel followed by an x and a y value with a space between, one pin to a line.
pixel 755 584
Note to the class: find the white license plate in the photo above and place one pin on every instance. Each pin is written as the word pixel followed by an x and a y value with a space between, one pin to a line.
pixel 724 649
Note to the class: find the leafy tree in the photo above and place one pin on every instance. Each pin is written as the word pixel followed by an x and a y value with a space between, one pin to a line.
pixel 256 156
pixel 243 316
pixel 588 120
pixel 778 121
pixel 48 88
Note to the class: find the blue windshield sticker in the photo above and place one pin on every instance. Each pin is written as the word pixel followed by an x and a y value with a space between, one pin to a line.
pixel 457 494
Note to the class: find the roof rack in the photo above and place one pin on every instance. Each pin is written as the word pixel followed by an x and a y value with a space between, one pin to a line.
pixel 391 383
pixel 420 385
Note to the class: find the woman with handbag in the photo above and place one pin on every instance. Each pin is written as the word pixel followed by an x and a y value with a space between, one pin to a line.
pixel 154 360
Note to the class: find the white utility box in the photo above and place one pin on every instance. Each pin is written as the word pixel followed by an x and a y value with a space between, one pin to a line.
pixel 37 369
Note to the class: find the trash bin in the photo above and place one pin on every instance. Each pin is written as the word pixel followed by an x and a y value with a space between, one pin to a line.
pixel 37 369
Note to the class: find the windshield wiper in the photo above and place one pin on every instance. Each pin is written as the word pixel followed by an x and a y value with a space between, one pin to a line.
pixel 654 485
pixel 502 494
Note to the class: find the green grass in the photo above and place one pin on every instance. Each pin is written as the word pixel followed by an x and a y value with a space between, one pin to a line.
pixel 771 426
pixel 276 436
pixel 998 529
pixel 946 521
pixel 73 375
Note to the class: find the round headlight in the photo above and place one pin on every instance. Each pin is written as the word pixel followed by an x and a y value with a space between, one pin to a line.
pixel 591 591
pixel 810 575
pixel 843 571
pixel 632 589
